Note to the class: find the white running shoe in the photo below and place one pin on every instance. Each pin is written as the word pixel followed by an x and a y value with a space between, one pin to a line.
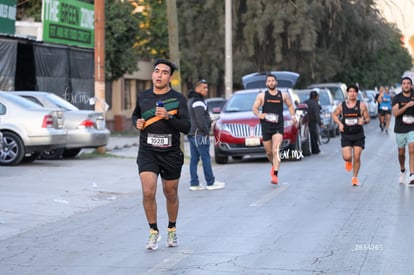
pixel 411 180
pixel 216 185
pixel 153 240
pixel 197 187
pixel 401 178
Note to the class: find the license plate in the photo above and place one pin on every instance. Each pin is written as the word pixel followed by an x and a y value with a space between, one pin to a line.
pixel 252 141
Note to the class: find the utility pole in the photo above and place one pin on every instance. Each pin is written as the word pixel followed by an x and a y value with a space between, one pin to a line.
pixel 228 78
pixel 100 59
pixel 174 49
pixel 173 42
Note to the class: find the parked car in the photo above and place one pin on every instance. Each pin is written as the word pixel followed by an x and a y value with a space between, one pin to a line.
pixel 327 104
pixel 28 129
pixel 372 104
pixel 238 132
pixel 214 106
pixel 1 141
pixel 338 90
pixel 86 128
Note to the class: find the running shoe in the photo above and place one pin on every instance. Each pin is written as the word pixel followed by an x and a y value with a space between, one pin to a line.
pixel 216 185
pixel 411 180
pixel 153 240
pixel 274 180
pixel 348 166
pixel 197 187
pixel 172 240
pixel 355 181
pixel 402 177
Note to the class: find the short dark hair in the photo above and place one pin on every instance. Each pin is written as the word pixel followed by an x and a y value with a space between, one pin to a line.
pixel 352 86
pixel 167 62
pixel 271 75
pixel 407 78
pixel 313 94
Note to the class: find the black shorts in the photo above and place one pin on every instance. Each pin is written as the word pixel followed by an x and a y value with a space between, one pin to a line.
pixel 269 130
pixel 166 164
pixel 385 112
pixel 353 140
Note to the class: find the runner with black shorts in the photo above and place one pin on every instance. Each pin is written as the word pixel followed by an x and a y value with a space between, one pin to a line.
pixel 354 114
pixel 161 114
pixel 271 120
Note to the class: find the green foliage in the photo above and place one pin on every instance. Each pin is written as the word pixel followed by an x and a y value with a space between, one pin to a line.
pixel 121 30
pixel 323 40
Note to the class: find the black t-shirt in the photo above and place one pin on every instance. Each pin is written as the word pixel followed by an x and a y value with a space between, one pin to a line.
pixel 273 105
pixel 350 118
pixel 405 122
pixel 159 134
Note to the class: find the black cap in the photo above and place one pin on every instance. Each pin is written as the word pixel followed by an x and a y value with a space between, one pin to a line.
pixel 167 62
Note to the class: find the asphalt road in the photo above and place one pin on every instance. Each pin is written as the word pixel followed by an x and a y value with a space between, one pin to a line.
pixel 85 216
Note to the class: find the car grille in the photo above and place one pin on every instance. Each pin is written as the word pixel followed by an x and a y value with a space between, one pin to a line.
pixel 244 130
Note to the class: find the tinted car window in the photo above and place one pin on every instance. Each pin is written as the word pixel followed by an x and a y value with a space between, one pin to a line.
pixel 324 99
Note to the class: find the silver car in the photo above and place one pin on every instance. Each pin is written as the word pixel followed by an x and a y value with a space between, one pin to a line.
pixel 28 129
pixel 86 128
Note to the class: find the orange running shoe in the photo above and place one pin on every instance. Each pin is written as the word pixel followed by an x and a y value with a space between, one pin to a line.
pixel 274 180
pixel 272 171
pixel 348 166
pixel 355 181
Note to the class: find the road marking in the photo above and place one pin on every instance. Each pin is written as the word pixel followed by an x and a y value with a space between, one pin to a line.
pixel 271 195
pixel 169 262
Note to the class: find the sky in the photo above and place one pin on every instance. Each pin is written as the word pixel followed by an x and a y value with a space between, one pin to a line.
pixel 400 12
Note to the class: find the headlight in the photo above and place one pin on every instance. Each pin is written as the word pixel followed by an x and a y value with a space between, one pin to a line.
pixel 326 115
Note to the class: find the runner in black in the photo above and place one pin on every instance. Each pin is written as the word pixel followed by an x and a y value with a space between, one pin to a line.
pixel 160 114
pixel 271 120
pixel 354 114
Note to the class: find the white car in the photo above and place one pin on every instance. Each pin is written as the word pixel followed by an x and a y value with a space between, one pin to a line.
pixel 86 128
pixel 28 129
pixel 369 98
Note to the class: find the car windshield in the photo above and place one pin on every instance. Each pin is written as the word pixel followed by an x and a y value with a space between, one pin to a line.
pixel 26 104
pixel 61 103
pixel 324 99
pixel 242 102
pixel 336 93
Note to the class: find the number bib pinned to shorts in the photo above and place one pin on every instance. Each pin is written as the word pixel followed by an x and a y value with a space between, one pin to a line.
pixel 160 140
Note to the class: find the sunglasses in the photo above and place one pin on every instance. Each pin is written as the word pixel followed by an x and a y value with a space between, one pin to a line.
pixel 201 81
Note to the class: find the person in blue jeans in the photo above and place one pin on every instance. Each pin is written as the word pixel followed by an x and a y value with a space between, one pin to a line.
pixel 199 138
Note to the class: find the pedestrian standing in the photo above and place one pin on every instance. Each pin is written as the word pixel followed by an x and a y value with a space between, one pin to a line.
pixel 160 114
pixel 314 111
pixel 199 138
pixel 354 114
pixel 403 111
pixel 271 119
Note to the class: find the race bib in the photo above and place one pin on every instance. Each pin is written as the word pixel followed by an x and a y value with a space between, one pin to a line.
pixel 160 141
pixel 351 121
pixel 407 119
pixel 274 118
pixel 384 108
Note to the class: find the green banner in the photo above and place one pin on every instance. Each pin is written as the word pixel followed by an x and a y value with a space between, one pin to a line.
pixel 68 22
pixel 7 16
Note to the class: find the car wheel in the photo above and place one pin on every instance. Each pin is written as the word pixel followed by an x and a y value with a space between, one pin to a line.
pixel 52 154
pixel 219 158
pixel 306 146
pixel 13 149
pixel 71 153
